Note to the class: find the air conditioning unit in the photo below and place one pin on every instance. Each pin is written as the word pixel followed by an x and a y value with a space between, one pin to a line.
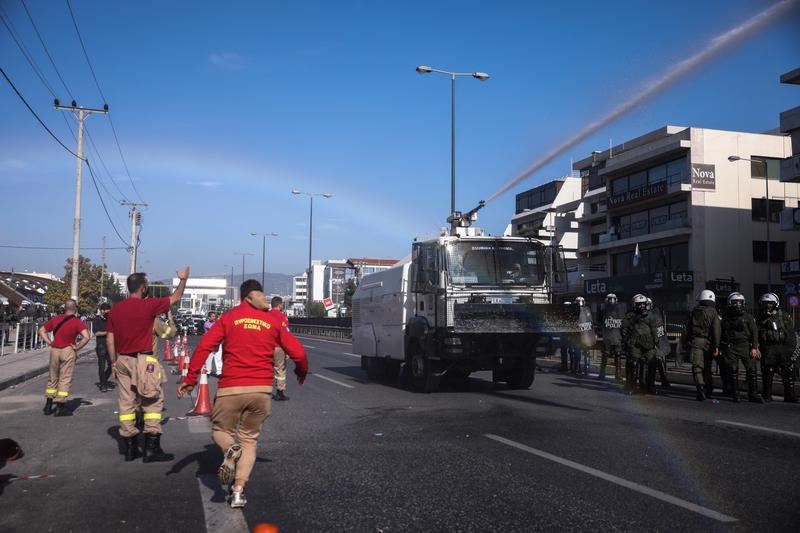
pixel 790 168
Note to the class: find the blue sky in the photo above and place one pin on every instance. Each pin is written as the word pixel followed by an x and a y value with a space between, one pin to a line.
pixel 223 108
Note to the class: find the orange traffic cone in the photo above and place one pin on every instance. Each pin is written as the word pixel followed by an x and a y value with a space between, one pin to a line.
pixel 167 352
pixel 203 404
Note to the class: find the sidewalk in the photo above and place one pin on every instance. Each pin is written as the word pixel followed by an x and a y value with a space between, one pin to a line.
pixel 18 367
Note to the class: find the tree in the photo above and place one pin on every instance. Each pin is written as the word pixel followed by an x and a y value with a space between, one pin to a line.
pixel 89 276
pixel 317 309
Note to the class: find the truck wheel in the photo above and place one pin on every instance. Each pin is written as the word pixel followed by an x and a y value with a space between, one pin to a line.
pixel 521 377
pixel 423 376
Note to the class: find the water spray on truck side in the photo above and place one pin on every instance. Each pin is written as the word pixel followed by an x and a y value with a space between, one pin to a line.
pixel 461 303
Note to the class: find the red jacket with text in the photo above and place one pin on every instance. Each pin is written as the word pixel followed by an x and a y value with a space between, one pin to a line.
pixel 248 337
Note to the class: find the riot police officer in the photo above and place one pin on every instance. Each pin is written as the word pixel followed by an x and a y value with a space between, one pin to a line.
pixel 703 331
pixel 739 343
pixel 612 338
pixel 581 359
pixel 777 339
pixel 640 334
pixel 662 348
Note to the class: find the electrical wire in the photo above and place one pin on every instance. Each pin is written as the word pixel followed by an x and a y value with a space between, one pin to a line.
pixel 22 48
pixel 94 181
pixel 46 51
pixel 99 90
pixel 53 135
pixel 59 248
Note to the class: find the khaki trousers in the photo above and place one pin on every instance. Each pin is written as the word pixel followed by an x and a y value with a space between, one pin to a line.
pixel 279 366
pixel 240 415
pixel 62 367
pixel 130 400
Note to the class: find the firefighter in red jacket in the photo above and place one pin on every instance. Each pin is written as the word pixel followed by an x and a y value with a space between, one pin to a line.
pixel 249 334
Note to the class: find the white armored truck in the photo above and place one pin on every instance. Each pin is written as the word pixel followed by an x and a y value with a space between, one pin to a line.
pixel 461 303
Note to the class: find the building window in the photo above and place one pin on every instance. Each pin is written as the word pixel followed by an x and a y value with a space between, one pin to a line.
pixel 777 251
pixel 653 220
pixel 676 171
pixel 773 167
pixel 672 172
pixel 658 259
pixel 657 174
pixel 759 209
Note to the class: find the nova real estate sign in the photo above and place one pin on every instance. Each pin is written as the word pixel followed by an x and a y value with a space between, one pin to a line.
pixel 704 177
pixel 637 194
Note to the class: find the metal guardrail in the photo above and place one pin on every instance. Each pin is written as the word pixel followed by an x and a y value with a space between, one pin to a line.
pixel 335 332
pixel 20 337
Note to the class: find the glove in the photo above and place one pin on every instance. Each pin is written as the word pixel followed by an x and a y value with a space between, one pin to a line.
pixel 301 374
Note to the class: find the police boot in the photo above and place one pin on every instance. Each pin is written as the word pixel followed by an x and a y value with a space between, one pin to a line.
pixel 131 445
pixel 48 406
pixel 603 362
pixel 643 365
pixel 152 449
pixel 61 410
pixel 766 384
pixel 630 376
pixel 701 394
pixel 662 373
pixel 651 377
pixel 734 378
pixel 752 389
pixel 788 385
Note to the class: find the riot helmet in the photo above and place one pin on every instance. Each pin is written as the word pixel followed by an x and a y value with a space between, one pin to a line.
pixel 611 298
pixel 769 302
pixel 706 296
pixel 640 304
pixel 649 305
pixel 736 302
pixel 580 301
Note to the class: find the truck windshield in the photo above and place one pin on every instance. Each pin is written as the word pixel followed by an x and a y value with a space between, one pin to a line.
pixel 496 263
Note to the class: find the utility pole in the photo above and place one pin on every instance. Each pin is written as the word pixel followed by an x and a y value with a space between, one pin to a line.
pixel 81 114
pixel 136 221
pixel 102 266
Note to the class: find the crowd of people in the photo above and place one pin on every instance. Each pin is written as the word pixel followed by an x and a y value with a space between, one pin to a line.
pixel 251 341
pixel 731 336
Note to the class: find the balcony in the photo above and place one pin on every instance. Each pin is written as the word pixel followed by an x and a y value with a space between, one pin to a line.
pixel 672 228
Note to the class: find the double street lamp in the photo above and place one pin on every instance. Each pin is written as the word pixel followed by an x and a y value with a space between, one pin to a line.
pixel 734 158
pixel 481 76
pixel 264 254
pixel 311 196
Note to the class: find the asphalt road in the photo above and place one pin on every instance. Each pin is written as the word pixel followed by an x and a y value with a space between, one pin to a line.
pixel 344 454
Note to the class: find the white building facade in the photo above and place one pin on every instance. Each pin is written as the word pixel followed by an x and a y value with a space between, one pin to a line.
pixel 202 294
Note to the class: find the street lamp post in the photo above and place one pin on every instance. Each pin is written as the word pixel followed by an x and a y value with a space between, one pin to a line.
pixel 734 158
pixel 243 254
pixel 311 196
pixel 481 76
pixel 233 290
pixel 264 254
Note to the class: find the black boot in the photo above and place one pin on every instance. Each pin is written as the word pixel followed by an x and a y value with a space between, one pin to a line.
pixel 651 376
pixel 61 410
pixel 766 384
pixel 132 450
pixel 643 365
pixel 152 449
pixel 734 377
pixel 701 395
pixel 788 385
pixel 662 373
pixel 752 389
pixel 630 376
pixel 48 406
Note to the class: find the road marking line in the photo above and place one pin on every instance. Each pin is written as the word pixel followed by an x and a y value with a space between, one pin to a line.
pixel 759 428
pixel 352 354
pixel 333 381
pixel 617 480
pixel 220 517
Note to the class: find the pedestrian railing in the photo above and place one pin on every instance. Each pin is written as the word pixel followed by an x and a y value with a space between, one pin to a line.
pixel 312 330
pixel 18 337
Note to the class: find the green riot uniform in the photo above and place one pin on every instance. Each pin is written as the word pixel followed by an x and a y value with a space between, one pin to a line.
pixel 777 339
pixel 703 331
pixel 640 339
pixel 739 338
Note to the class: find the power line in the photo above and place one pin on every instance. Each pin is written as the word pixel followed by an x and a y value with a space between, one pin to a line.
pixel 53 135
pixel 46 51
pixel 58 248
pixel 94 181
pixel 22 48
pixel 108 173
pixel 99 90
